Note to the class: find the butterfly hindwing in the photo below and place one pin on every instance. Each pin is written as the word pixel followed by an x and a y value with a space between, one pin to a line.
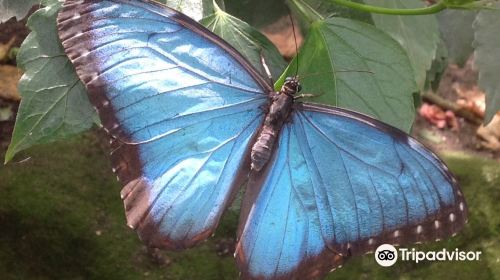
pixel 181 105
pixel 340 184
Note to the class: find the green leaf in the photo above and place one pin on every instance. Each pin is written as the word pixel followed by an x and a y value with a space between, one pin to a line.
pixel 328 9
pixel 419 35
pixel 354 65
pixel 54 102
pixel 438 67
pixel 487 55
pixel 15 8
pixel 191 8
pixel 456 29
pixel 247 40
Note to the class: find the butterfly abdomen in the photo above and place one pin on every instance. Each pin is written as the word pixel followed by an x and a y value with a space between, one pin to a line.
pixel 278 113
pixel 262 149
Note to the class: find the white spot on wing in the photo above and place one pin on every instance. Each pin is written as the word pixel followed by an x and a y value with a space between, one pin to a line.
pixel 444 167
pixel 93 76
pixel 84 53
pixel 419 229
pixel 436 224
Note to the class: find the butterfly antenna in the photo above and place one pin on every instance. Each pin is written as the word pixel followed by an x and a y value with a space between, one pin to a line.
pixel 295 39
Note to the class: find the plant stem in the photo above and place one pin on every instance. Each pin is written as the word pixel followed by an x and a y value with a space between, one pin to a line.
pixel 447 105
pixel 435 8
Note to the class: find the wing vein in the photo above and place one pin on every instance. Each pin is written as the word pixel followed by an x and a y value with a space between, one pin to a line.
pixel 315 166
pixel 183 158
pixel 180 117
pixel 430 179
pixel 224 167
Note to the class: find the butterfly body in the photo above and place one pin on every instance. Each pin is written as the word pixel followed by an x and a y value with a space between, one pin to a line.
pixel 279 112
pixel 191 120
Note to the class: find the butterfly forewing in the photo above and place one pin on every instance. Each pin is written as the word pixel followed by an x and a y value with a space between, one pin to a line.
pixel 181 105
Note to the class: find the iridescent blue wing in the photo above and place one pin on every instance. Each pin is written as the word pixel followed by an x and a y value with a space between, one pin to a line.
pixel 341 184
pixel 182 107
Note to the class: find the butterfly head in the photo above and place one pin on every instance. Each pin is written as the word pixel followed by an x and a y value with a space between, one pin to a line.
pixel 291 86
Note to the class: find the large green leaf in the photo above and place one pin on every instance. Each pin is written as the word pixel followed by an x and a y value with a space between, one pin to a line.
pixel 54 102
pixel 487 54
pixel 456 29
pixel 354 65
pixel 247 40
pixel 419 35
pixel 15 8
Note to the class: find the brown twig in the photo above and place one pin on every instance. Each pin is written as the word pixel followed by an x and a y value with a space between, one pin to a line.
pixel 455 108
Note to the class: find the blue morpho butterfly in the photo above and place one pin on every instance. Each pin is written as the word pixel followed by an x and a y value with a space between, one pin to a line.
pixel 191 120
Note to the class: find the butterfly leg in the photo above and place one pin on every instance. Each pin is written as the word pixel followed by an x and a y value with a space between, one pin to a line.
pixel 266 68
pixel 305 95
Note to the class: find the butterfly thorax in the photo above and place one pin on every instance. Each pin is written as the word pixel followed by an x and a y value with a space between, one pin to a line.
pixel 279 112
